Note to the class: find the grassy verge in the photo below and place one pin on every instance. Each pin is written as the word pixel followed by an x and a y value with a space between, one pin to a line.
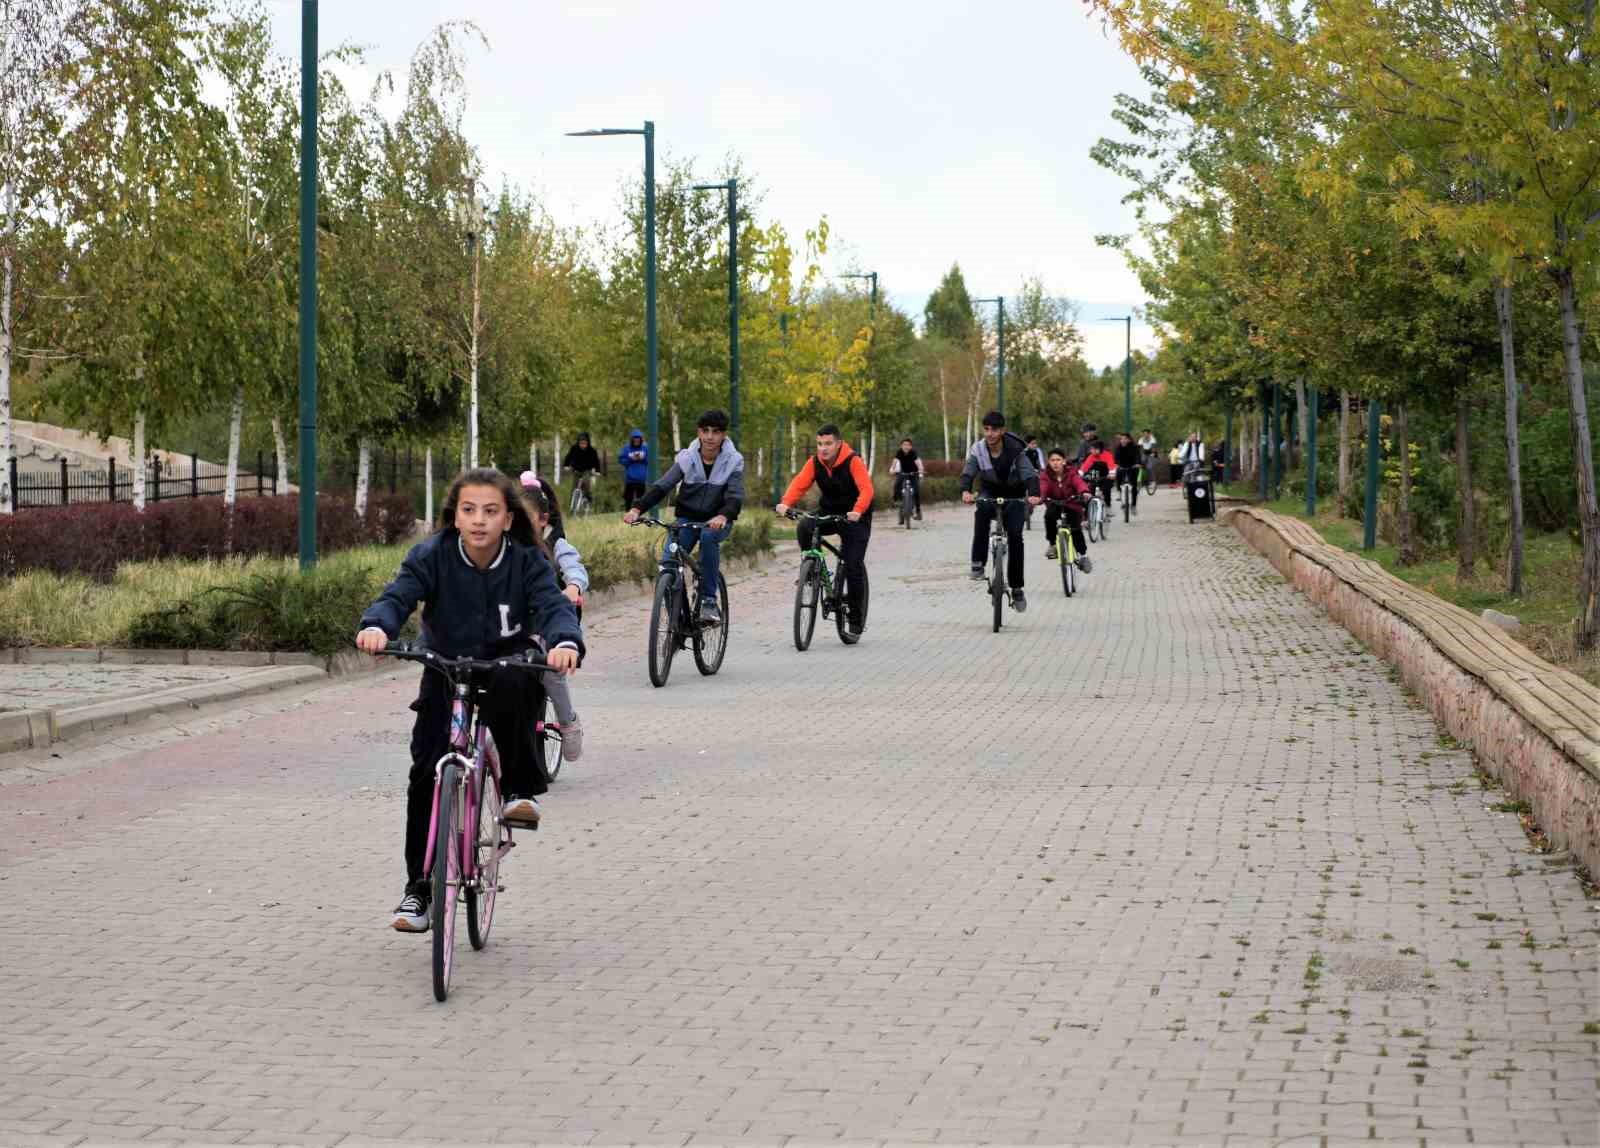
pixel 267 603
pixel 1547 609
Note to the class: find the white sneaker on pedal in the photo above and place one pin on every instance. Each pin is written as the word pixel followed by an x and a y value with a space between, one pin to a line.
pixel 523 810
pixel 571 740
pixel 411 914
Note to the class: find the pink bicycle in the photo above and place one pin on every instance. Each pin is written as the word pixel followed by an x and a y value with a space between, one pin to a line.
pixel 466 835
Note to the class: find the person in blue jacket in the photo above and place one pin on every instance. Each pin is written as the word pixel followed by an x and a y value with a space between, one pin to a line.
pixel 488 590
pixel 634 458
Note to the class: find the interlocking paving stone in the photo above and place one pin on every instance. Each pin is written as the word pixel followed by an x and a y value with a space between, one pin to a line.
pixel 1172 861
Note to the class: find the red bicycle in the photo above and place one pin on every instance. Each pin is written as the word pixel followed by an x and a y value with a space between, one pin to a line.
pixel 466 835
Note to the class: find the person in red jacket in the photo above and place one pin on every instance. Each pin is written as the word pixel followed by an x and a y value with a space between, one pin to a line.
pixel 846 489
pixel 1060 483
pixel 1098 469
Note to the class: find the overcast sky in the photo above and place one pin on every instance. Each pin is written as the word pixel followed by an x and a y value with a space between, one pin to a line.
pixel 928 133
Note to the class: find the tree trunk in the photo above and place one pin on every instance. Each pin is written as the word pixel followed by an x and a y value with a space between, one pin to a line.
pixel 363 472
pixel 1408 543
pixel 1344 448
pixel 677 433
pixel 281 452
pixel 1508 362
pixel 1302 414
pixel 872 448
pixel 761 462
pixel 794 449
pixel 944 413
pixel 1583 456
pixel 555 465
pixel 533 457
pixel 1467 522
pixel 230 490
pixel 427 486
pixel 138 456
pixel 7 496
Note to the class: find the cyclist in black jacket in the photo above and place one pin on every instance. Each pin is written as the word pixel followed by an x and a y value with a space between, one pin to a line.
pixel 1129 459
pixel 998 465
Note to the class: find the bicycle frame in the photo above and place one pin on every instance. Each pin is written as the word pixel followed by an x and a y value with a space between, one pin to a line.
pixel 820 551
pixel 472 747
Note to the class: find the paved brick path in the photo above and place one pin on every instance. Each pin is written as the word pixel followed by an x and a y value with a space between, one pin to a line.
pixel 1173 860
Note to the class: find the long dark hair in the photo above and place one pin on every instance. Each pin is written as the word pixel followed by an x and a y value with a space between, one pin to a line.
pixel 547 498
pixel 521 524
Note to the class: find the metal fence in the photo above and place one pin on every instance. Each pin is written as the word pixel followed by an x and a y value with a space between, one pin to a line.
pixel 68 485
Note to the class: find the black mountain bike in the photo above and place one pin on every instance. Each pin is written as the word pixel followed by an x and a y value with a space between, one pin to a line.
pixel 818 588
pixel 999 548
pixel 908 501
pixel 675 612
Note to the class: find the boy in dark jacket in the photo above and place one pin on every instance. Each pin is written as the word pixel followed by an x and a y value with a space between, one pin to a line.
pixel 998 466
pixel 1129 458
pixel 709 478
pixel 488 591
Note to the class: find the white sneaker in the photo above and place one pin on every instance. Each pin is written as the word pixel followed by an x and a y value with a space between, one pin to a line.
pixel 571 740
pixel 521 810
pixel 411 914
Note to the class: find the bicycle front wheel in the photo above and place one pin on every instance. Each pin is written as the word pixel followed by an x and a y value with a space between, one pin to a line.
pixel 905 510
pixel 486 867
pixel 997 587
pixel 1068 570
pixel 1127 504
pixel 549 741
pixel 663 619
pixel 711 643
pixel 446 877
pixel 841 616
pixel 807 596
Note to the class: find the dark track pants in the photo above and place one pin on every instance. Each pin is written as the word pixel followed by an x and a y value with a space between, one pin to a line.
pixel 1074 518
pixel 853 538
pixel 511 697
pixel 1014 512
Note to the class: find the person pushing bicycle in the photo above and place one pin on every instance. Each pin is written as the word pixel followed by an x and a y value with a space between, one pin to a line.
pixel 998 465
pixel 846 489
pixel 488 591
pixel 709 478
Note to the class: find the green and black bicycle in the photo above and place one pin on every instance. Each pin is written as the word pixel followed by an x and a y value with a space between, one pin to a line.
pixel 817 589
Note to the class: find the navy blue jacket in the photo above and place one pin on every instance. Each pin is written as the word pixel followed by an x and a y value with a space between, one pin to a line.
pixel 477 613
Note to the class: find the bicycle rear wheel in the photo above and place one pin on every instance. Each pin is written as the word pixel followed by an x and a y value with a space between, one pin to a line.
pixel 841 615
pixel 446 877
pixel 711 643
pixel 486 867
pixel 807 597
pixel 663 618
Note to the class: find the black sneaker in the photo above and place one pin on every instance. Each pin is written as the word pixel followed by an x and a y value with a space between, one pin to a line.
pixel 710 615
pixel 854 625
pixel 1019 601
pixel 411 914
pixel 1085 565
pixel 977 572
pixel 1050 554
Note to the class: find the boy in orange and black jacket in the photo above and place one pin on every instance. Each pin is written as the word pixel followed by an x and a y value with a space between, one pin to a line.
pixel 846 488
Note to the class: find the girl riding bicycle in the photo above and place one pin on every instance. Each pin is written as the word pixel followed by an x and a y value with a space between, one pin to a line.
pixel 1061 483
pixel 544 507
pixel 489 591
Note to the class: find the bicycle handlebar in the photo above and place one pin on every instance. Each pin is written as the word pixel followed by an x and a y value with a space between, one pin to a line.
pixel 796 515
pixel 450 666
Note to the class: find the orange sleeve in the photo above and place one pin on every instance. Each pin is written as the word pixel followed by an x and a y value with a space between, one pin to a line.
pixel 802 482
pixel 858 471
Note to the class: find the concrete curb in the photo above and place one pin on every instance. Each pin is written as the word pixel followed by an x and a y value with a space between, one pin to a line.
pixel 1534 726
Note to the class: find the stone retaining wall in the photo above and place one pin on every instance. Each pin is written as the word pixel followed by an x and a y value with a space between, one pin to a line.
pixel 1533 726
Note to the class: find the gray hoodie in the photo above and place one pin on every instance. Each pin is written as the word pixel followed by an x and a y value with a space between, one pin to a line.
pixel 702 496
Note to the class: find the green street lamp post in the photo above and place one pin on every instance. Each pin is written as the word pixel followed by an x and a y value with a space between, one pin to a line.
pixel 1000 353
pixel 308 284
pixel 652 411
pixel 1369 517
pixel 732 188
pixel 1311 453
pixel 1127 374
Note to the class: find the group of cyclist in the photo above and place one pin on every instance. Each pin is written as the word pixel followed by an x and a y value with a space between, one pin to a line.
pixel 497 577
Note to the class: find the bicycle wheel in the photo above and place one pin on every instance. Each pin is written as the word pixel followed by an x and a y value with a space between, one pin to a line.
pixel 1068 571
pixel 840 616
pixel 486 867
pixel 807 599
pixel 446 877
pixel 663 615
pixel 905 509
pixel 1150 482
pixel 711 643
pixel 550 743
pixel 1127 504
pixel 997 586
